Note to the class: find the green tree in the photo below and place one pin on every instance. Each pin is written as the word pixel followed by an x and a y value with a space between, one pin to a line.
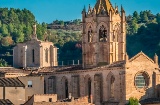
pixel 158 18
pixel 10 27
pixel 133 101
pixel 144 16
pixel 136 15
pixel 4 30
pixel 3 63
pixel 61 23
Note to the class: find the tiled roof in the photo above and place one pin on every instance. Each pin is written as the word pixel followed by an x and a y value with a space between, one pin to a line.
pixel 117 64
pixel 103 3
pixel 58 69
pixel 13 70
pixel 5 102
pixel 11 82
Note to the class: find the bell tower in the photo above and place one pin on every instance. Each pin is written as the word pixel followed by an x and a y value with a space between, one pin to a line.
pixel 104 34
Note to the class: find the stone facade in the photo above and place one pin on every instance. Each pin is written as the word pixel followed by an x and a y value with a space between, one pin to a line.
pixel 35 53
pixel 104 34
pixel 108 76
pixel 36 86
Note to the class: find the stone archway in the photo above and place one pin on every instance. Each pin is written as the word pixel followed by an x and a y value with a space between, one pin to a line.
pixel 65 92
pixel 52 85
pixel 111 86
pixel 88 87
pixel 98 89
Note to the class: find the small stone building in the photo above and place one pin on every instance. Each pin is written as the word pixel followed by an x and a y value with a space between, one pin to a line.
pixel 19 90
pixel 51 99
pixel 35 53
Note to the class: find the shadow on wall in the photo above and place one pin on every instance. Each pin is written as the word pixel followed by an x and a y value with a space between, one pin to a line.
pixel 152 94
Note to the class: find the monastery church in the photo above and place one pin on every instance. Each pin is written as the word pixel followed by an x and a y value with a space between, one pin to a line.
pixel 107 75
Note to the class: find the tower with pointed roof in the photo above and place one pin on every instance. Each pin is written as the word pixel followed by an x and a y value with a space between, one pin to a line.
pixel 104 34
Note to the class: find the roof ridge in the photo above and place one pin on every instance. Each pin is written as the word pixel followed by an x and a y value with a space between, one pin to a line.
pixel 140 53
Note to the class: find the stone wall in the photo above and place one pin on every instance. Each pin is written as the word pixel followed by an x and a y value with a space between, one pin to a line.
pixel 1 92
pixel 103 85
pixel 33 54
pixel 144 65
pixel 37 85
pixel 15 94
pixel 42 99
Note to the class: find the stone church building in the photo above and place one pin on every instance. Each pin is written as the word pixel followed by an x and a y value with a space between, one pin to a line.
pixel 107 76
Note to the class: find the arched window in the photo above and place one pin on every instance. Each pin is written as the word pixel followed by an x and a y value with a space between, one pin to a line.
pixel 52 84
pixel 90 35
pixel 112 86
pixel 102 34
pixel 46 55
pixel 98 88
pixel 33 56
pixel 141 80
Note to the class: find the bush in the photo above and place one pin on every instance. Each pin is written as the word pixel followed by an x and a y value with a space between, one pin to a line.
pixel 3 63
pixel 133 101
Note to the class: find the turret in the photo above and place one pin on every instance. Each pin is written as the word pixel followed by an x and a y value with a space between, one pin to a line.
pixel 89 9
pixel 34 35
pixel 126 57
pixel 123 14
pixel 123 31
pixel 155 59
pixel 83 14
pixel 110 14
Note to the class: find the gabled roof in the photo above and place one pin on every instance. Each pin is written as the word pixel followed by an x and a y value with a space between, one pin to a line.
pixel 11 82
pixel 5 102
pixel 106 4
pixel 141 54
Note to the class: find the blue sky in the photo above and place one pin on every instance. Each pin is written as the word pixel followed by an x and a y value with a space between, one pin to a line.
pixel 49 10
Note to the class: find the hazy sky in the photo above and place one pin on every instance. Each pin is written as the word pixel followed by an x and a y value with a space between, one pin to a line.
pixel 49 10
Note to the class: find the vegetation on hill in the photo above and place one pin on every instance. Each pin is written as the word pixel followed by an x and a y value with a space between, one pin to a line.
pixel 74 25
pixel 69 44
pixel 16 26
pixel 143 34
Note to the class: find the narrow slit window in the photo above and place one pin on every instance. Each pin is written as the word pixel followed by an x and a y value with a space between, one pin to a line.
pixel 33 55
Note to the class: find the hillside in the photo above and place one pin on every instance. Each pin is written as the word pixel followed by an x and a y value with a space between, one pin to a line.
pixel 143 34
pixel 15 27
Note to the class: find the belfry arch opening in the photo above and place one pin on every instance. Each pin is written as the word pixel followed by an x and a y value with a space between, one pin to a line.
pixel 102 34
